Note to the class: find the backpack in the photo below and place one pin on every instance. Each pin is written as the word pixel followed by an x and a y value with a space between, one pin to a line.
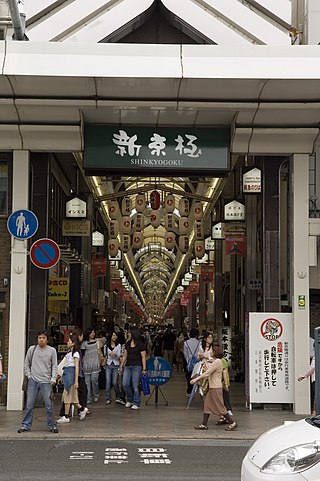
pixel 193 359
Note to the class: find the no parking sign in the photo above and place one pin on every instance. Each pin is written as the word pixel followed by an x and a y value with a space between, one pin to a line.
pixel 44 253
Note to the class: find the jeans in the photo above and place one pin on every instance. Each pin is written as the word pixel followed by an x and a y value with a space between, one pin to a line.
pixel 34 388
pixel 112 381
pixel 92 383
pixel 131 380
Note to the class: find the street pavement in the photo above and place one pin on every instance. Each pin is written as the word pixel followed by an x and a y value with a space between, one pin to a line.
pixel 121 460
pixel 165 422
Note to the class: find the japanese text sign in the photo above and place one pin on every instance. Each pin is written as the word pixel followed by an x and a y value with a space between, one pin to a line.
pixel 271 357
pixel 153 149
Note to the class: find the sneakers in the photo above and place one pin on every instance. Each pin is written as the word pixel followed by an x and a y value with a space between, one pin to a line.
pixel 120 401
pixel 83 413
pixel 54 430
pixel 108 401
pixel 63 420
pixel 135 407
pixel 96 399
pixel 128 405
pixel 23 430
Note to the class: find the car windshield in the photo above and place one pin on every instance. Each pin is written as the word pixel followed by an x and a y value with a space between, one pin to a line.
pixel 314 421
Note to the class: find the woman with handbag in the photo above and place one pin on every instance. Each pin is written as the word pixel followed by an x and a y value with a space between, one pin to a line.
pixel 134 364
pixel 213 402
pixel 92 358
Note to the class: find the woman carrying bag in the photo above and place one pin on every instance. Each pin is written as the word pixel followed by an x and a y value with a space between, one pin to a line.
pixel 213 401
pixel 134 364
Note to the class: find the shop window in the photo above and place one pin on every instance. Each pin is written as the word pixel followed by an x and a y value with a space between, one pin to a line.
pixel 3 188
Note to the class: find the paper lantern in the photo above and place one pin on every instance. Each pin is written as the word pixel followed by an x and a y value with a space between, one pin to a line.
pixel 126 206
pixel 169 222
pixel 155 200
pixel 139 222
pixel 137 240
pixel 125 225
pixel 184 207
pixel 184 225
pixel 113 247
pixel 155 218
pixel 169 203
pixel 199 249
pixel 114 210
pixel 125 243
pixel 113 229
pixel 197 210
pixel 140 203
pixel 198 229
pixel 169 240
pixel 184 244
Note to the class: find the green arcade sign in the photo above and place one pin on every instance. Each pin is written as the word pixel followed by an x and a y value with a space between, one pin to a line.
pixel 150 150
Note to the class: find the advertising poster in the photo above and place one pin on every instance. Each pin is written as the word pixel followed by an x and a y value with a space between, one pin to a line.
pixel 271 357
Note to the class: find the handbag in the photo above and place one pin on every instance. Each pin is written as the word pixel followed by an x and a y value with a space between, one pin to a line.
pixel 145 384
pixel 25 381
pixel 102 358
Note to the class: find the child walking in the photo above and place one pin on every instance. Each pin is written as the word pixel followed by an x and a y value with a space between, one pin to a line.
pixel 70 380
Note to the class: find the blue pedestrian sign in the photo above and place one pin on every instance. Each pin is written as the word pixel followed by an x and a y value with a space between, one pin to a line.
pixel 159 371
pixel 22 224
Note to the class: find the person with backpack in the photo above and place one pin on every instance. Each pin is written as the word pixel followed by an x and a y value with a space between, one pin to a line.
pixel 190 352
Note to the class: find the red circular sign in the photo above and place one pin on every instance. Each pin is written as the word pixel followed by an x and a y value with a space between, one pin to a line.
pixel 44 253
pixel 271 329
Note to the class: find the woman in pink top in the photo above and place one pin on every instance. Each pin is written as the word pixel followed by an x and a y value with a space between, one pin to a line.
pixel 213 402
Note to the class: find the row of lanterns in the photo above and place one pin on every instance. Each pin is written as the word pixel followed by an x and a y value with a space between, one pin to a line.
pixel 123 225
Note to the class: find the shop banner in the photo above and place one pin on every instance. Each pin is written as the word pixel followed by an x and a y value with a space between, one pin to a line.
pixel 235 245
pixel 207 273
pixel 58 288
pixel 148 149
pixel 99 267
pixel 271 357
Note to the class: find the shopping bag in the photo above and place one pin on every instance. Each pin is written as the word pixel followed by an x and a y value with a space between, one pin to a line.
pixel 145 384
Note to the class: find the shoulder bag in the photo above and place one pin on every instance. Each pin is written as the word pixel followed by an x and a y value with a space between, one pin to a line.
pixel 25 381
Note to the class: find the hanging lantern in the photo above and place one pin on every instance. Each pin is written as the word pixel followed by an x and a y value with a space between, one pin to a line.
pixel 184 244
pixel 184 207
pixel 169 203
pixel 113 229
pixel 125 243
pixel 184 225
pixel 198 229
pixel 155 200
pixel 169 222
pixel 140 202
pixel 155 218
pixel 169 240
pixel 199 249
pixel 139 222
pixel 114 209
pixel 125 225
pixel 113 247
pixel 197 210
pixel 137 240
pixel 126 206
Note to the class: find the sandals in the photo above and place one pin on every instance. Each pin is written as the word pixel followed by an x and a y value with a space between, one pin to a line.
pixel 222 420
pixel 201 427
pixel 231 427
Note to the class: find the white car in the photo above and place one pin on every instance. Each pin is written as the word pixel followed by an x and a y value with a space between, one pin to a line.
pixel 290 452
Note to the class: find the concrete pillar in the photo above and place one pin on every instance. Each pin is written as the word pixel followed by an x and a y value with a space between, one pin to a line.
pixel 300 277
pixel 18 286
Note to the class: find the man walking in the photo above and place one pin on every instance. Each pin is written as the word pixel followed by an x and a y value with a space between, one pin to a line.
pixel 41 368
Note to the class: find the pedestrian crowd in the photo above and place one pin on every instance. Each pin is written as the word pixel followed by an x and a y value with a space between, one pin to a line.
pixel 117 360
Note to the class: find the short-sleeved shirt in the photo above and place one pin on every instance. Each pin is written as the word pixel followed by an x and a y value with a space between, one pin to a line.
pixel 70 358
pixel 134 354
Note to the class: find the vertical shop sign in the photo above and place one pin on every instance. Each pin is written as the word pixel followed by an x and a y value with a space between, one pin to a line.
pixel 224 339
pixel 271 357
pixel 99 267
pixel 251 180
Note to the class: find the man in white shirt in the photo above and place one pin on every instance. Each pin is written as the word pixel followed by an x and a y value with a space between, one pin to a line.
pixel 190 348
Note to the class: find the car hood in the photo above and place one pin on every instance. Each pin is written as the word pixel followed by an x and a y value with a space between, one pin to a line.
pixel 291 433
